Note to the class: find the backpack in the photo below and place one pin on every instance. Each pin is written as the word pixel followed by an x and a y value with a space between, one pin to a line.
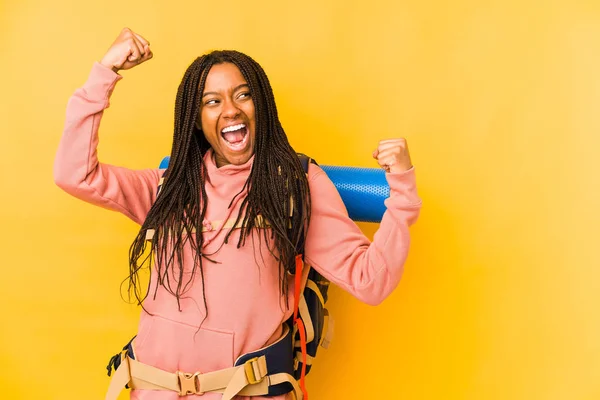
pixel 311 325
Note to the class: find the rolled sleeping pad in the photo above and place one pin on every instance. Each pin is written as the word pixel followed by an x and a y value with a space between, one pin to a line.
pixel 363 190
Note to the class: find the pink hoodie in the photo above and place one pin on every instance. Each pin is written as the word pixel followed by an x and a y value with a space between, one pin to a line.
pixel 245 308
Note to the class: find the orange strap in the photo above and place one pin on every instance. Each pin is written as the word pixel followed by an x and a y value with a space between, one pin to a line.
pixel 298 285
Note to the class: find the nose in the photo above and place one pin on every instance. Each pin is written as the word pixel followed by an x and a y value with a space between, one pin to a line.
pixel 230 109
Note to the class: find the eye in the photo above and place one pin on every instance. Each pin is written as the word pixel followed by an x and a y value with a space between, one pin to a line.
pixel 211 102
pixel 244 95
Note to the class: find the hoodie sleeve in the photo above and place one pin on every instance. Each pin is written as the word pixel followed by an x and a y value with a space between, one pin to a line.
pixel 337 248
pixel 76 167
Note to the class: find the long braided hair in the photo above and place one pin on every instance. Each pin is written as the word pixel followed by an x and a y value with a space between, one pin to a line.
pixel 276 185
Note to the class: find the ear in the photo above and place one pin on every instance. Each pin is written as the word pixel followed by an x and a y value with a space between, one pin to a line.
pixel 199 123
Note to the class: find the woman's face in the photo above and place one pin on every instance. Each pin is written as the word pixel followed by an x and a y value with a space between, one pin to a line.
pixel 227 115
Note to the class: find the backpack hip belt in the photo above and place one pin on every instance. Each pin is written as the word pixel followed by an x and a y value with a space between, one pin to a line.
pixel 265 372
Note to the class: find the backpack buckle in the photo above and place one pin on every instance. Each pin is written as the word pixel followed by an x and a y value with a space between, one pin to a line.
pixel 253 371
pixel 188 383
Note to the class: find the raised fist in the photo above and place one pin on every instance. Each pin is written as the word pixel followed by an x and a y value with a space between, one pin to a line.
pixel 127 51
pixel 392 155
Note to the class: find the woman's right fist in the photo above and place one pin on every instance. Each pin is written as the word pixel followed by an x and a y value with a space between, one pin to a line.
pixel 127 51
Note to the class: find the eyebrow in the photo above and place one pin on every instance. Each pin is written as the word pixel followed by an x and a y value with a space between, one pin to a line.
pixel 234 89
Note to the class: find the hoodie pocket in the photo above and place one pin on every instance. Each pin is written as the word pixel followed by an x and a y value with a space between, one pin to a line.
pixel 174 346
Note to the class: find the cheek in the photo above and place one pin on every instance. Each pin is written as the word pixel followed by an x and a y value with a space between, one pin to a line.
pixel 202 119
pixel 206 122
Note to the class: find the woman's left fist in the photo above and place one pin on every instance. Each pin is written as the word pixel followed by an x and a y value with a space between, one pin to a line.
pixel 393 156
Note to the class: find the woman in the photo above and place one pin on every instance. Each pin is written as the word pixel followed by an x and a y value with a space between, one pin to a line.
pixel 233 176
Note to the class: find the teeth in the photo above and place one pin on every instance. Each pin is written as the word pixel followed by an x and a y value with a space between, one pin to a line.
pixel 233 128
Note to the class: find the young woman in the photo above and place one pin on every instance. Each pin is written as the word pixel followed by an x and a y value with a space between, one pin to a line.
pixel 235 209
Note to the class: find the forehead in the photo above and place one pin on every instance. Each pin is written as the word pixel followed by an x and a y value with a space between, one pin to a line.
pixel 222 77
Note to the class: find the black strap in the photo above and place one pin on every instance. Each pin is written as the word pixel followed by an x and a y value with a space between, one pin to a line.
pixel 305 160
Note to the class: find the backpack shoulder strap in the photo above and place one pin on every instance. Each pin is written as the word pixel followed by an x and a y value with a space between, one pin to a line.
pixel 305 160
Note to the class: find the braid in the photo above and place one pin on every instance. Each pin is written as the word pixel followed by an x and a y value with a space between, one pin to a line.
pixel 276 180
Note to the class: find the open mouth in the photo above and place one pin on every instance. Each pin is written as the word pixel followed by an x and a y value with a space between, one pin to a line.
pixel 235 136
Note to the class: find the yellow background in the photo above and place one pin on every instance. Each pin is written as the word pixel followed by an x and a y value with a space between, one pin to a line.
pixel 499 101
